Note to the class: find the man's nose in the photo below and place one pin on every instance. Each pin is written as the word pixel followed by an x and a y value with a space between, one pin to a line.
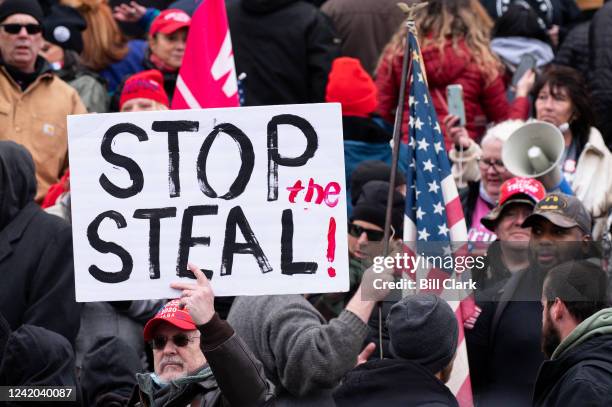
pixel 363 239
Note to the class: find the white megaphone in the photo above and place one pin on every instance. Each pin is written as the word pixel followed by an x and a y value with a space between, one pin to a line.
pixel 535 150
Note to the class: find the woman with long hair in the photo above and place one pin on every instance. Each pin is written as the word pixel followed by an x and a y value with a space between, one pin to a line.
pixel 105 48
pixel 455 44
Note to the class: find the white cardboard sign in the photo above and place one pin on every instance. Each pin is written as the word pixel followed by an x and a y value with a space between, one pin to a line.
pixel 254 196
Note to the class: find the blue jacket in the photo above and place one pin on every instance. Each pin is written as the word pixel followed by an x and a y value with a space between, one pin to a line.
pixel 129 65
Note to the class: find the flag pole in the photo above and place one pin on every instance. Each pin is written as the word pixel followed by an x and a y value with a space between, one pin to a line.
pixel 410 24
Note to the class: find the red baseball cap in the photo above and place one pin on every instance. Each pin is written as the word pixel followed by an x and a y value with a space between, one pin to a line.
pixel 168 21
pixel 171 314
pixel 515 190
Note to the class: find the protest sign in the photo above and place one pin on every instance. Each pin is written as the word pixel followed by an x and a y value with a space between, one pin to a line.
pixel 253 196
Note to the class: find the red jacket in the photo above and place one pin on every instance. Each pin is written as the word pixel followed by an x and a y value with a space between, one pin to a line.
pixel 483 103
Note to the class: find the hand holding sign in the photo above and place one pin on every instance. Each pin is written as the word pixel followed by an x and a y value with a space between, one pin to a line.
pixel 197 298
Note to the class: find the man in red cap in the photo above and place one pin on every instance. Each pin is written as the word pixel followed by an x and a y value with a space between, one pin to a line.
pixel 517 198
pixel 198 359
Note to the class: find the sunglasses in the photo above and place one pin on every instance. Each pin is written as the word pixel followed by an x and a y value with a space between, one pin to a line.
pixel 16 28
pixel 180 340
pixel 373 235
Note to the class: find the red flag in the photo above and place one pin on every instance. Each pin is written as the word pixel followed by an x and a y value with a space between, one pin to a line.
pixel 207 77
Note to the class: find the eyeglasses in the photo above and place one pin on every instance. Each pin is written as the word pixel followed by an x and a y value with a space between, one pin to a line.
pixel 16 28
pixel 180 340
pixel 498 165
pixel 373 235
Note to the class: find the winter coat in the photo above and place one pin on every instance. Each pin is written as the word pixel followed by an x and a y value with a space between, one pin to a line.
pixel 484 102
pixel 364 26
pixel 376 383
pixel 169 82
pixel 364 139
pixel 303 356
pixel 511 49
pixel 600 68
pixel 285 48
pixel 35 356
pixel 36 119
pixel 504 349
pixel 36 267
pixel 129 65
pixel 90 86
pixel 574 51
pixel 121 319
pixel 563 13
pixel 580 370
pixel 109 372
pixel 233 377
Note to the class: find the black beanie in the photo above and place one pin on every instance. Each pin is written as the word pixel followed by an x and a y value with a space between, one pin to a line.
pixel 30 7
pixel 371 170
pixel 63 27
pixel 372 206
pixel 423 328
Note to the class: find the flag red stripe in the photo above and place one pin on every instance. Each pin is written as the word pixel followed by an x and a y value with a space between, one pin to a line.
pixel 454 212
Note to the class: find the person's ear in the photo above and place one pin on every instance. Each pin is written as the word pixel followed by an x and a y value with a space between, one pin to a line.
pixel 557 310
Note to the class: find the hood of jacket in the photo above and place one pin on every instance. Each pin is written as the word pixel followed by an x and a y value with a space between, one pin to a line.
pixel 17 181
pixel 511 49
pixel 265 6
pixel 599 323
pixel 590 360
pixel 35 356
pixel 110 366
pixel 378 382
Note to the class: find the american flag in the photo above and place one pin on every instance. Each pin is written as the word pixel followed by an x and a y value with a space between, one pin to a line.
pixel 433 207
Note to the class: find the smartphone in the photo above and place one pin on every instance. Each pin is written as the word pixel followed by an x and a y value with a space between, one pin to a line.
pixel 454 99
pixel 527 62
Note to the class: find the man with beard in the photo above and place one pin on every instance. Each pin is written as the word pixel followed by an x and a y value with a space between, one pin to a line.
pixel 577 337
pixel 506 336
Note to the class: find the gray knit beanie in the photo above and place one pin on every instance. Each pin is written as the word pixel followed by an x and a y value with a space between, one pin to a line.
pixel 423 329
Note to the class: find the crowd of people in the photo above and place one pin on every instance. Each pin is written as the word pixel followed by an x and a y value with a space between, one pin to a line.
pixel 542 335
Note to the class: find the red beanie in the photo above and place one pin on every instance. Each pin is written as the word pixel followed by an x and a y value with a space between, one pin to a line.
pixel 352 86
pixel 147 85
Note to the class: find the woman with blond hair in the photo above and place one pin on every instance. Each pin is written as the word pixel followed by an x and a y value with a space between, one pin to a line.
pixel 455 45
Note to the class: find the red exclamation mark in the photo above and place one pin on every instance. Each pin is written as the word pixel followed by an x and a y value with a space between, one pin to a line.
pixel 331 245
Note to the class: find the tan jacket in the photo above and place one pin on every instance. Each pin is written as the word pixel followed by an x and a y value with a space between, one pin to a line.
pixel 36 118
pixel 592 182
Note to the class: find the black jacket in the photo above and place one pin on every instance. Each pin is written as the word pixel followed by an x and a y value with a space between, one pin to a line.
pixel 580 377
pixel 393 382
pixel 36 267
pixel 574 51
pixel 109 372
pixel 600 66
pixel 504 345
pixel 234 376
pixel 34 356
pixel 285 47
